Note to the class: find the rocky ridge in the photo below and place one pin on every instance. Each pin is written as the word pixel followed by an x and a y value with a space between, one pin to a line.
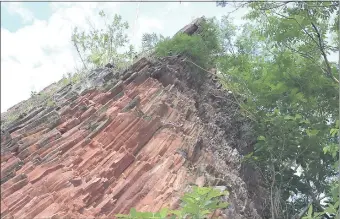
pixel 117 140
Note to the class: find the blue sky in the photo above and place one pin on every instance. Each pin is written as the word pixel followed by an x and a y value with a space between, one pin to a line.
pixel 35 36
pixel 13 21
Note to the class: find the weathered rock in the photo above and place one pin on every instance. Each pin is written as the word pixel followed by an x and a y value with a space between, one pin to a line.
pixel 104 152
pixel 109 65
pixel 192 27
pixel 200 181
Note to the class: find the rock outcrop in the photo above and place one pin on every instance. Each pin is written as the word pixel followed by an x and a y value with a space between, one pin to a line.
pixel 138 138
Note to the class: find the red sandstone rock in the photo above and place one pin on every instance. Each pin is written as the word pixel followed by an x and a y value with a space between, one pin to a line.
pixel 200 181
pixel 104 175
pixel 99 161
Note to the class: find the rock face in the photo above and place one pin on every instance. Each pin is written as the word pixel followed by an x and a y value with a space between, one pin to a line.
pixel 119 140
pixel 193 27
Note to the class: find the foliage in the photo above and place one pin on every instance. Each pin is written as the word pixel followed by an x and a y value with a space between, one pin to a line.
pixel 209 32
pixel 186 45
pixel 197 204
pixel 300 27
pixel 201 48
pixel 101 46
pixel 330 210
pixel 279 63
pixel 74 78
pixel 150 40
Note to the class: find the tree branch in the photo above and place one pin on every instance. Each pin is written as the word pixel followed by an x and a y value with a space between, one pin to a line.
pixel 305 55
pixel 318 43
pixel 329 70
pixel 81 58
pixel 303 29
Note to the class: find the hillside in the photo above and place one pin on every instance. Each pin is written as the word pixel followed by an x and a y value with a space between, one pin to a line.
pixel 116 140
pixel 168 129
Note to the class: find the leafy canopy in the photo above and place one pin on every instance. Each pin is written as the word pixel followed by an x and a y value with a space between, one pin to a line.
pixel 279 63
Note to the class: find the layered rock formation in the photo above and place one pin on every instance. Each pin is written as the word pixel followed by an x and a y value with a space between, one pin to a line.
pixel 118 140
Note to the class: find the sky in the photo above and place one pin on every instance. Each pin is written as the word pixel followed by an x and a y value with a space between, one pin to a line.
pixel 36 49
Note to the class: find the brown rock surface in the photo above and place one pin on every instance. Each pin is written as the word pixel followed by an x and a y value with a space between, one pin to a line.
pixel 138 144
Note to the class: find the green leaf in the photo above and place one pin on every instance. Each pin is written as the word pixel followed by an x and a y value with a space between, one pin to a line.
pixel 298 116
pixel 214 194
pixel 133 212
pixel 305 121
pixel 144 215
pixel 310 210
pixel 312 132
pixel 216 205
pixel 288 118
pixel 261 138
pixel 95 58
pixel 163 212
pixel 334 132
pixel 176 212
pixel 330 209
pixel 222 205
pixel 326 149
pixel 188 199
pixel 204 212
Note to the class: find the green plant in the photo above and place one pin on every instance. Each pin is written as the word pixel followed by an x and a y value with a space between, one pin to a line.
pixel 201 47
pixel 330 210
pixel 183 44
pixel 100 46
pixel 197 204
pixel 279 63
pixel 150 40
pixel 65 80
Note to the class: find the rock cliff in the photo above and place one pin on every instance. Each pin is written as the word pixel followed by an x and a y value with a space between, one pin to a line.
pixel 116 140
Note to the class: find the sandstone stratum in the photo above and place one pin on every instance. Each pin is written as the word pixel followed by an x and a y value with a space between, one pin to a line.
pixel 121 139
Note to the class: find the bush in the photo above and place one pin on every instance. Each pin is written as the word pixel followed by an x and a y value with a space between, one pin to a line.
pixel 197 204
pixel 200 47
pixel 183 44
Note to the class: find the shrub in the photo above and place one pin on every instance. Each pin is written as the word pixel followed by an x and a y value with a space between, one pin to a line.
pixel 197 204
pixel 183 44
pixel 202 47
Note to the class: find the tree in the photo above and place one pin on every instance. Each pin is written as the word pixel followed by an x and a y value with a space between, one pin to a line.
pixel 98 47
pixel 280 65
pixel 150 40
